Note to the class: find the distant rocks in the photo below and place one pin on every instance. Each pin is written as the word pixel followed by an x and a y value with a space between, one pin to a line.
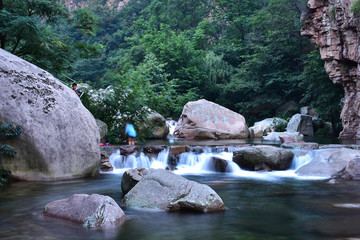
pixel 164 190
pixel 103 128
pixel 275 136
pixel 156 124
pixel 93 211
pixel 302 124
pixel 263 158
pixel 206 120
pixel 329 162
pixel 288 142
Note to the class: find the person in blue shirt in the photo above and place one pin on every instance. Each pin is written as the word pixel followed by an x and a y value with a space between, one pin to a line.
pixel 74 86
pixel 130 131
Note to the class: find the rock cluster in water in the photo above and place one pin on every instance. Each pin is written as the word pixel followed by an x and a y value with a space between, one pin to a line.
pixel 335 29
pixel 60 138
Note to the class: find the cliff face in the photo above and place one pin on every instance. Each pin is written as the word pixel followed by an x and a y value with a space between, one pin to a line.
pixel 333 27
pixel 112 4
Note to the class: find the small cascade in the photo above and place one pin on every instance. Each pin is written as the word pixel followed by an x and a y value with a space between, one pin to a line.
pixel 204 161
pixel 172 125
pixel 301 158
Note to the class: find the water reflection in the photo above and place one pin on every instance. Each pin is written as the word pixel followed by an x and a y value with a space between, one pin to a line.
pixel 285 209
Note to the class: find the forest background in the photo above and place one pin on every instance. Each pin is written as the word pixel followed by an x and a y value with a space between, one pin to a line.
pixel 246 55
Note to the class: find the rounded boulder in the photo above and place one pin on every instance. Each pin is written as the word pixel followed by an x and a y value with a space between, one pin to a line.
pixel 60 138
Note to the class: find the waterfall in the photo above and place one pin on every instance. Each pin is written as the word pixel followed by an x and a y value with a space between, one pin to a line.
pixel 172 125
pixel 204 161
pixel 301 158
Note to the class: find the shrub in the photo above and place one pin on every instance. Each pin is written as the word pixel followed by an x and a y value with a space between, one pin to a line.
pixel 355 8
pixel 6 131
pixel 279 124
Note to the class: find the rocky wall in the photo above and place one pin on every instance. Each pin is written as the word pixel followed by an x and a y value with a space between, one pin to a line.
pixel 332 26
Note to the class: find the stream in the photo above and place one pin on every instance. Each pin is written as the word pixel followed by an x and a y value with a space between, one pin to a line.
pixel 273 205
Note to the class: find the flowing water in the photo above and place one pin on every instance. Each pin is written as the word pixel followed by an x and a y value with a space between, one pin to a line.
pixel 276 205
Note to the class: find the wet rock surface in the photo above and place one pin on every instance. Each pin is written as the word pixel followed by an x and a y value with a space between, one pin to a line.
pixel 263 158
pixel 162 189
pixel 126 150
pixel 93 211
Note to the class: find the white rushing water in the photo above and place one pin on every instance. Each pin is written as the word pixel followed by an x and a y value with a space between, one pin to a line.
pixel 202 163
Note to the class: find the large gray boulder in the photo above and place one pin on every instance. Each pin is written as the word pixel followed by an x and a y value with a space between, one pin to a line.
pixel 93 211
pixel 301 123
pixel 162 189
pixel 263 158
pixel 207 120
pixel 328 162
pixel 156 124
pixel 60 138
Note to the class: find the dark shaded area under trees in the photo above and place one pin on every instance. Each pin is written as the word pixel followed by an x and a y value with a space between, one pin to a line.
pixel 247 55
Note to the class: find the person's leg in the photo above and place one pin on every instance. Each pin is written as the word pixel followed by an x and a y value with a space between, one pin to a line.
pixel 129 140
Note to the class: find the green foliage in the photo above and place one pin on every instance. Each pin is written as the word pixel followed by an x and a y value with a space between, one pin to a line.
pixel 355 8
pixel 279 125
pixel 247 55
pixel 319 91
pixel 6 131
pixel 9 130
pixel 3 175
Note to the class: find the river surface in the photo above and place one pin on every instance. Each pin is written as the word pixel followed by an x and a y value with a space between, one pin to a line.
pixel 284 208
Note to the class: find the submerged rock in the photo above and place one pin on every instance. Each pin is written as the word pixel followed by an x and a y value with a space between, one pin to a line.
pixel 162 189
pixel 263 158
pixel 220 165
pixel 93 211
pixel 207 120
pixel 328 162
pixel 60 138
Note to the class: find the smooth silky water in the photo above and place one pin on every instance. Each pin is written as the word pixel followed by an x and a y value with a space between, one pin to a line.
pixel 276 205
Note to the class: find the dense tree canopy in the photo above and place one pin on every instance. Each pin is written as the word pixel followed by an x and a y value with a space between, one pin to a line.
pixel 247 55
